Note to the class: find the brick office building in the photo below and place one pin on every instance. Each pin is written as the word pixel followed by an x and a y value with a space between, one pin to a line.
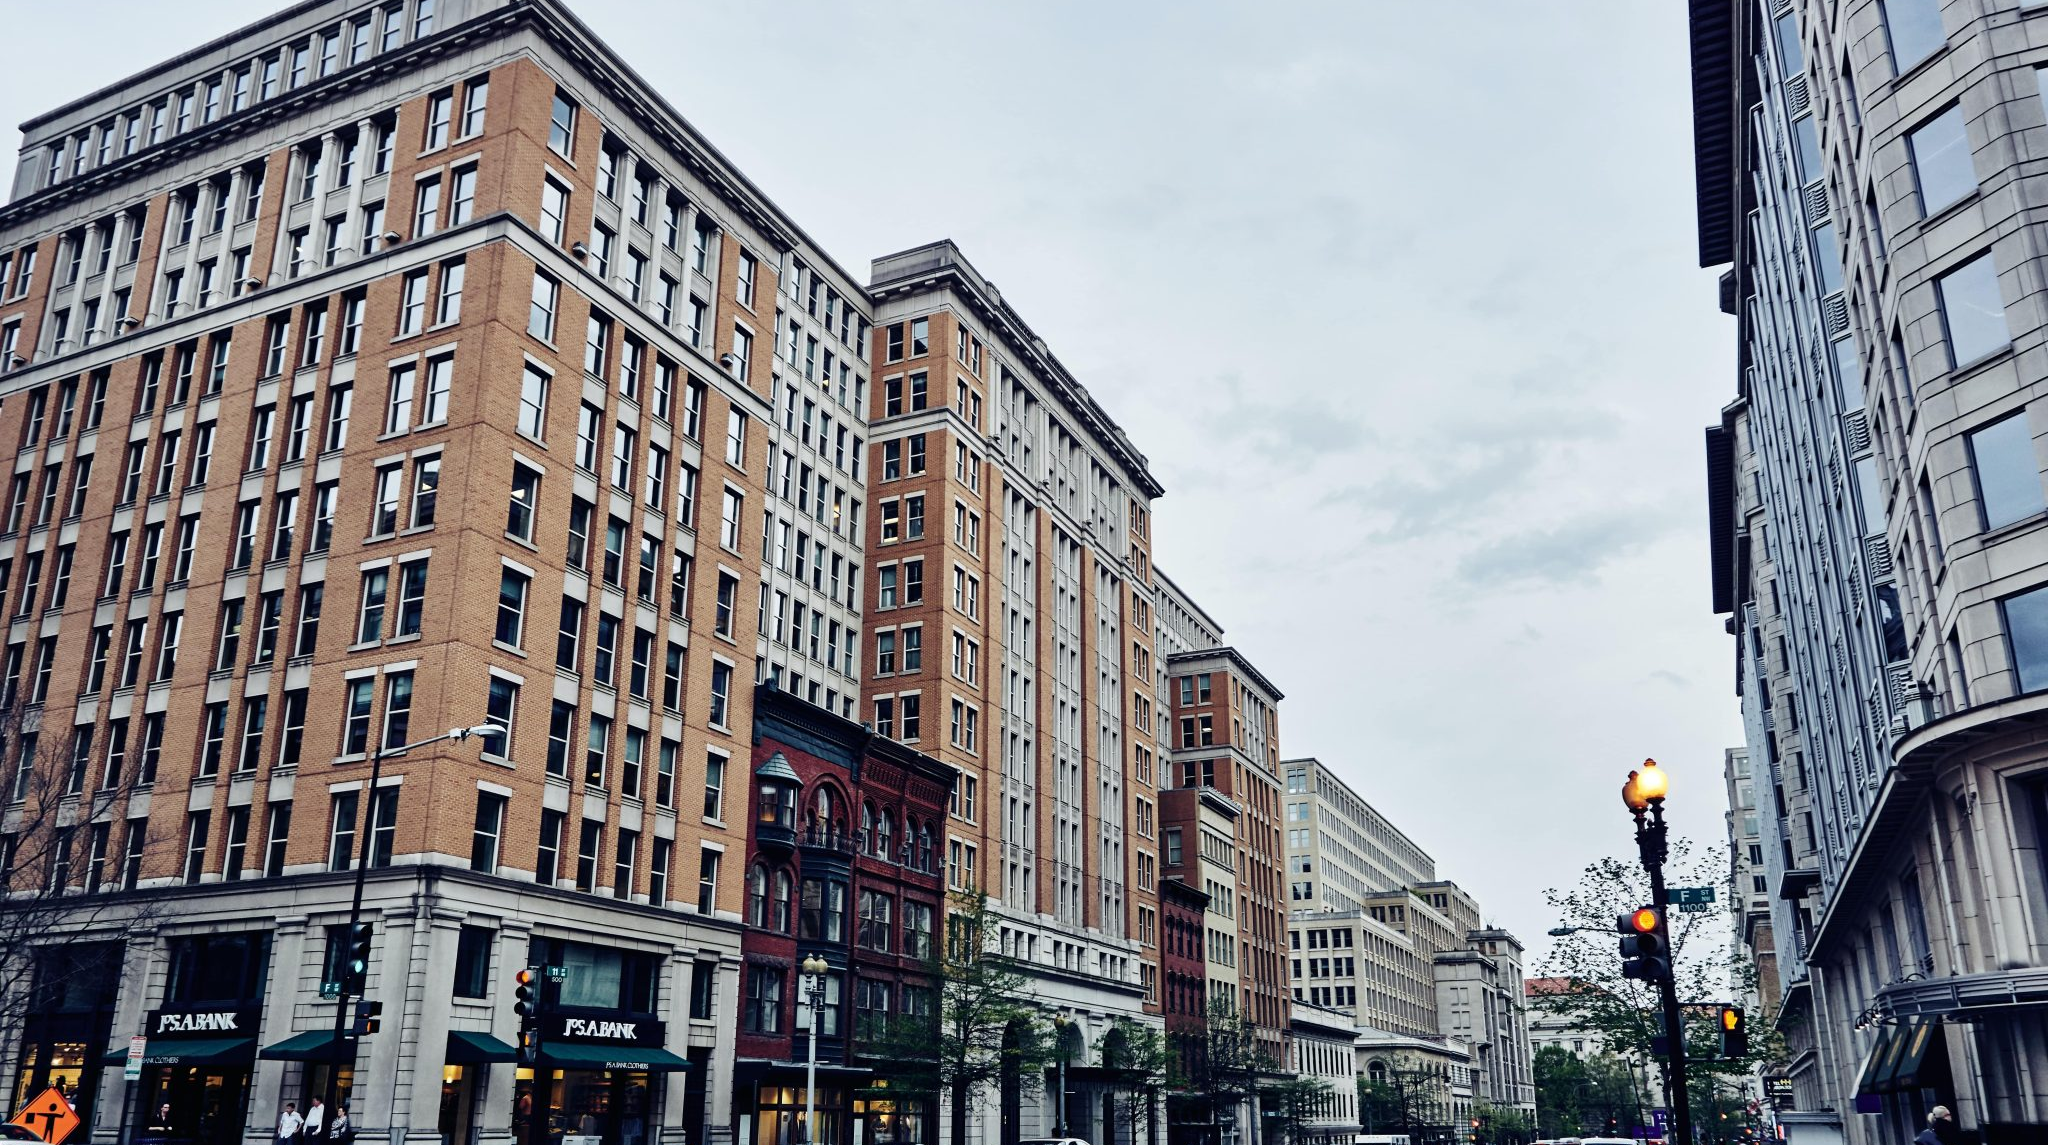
pixel 1009 634
pixel 343 354
pixel 447 272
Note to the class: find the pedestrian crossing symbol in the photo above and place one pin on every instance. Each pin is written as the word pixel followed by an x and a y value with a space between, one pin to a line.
pixel 50 1117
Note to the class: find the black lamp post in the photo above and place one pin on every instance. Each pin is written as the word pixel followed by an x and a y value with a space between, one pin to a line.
pixel 1644 794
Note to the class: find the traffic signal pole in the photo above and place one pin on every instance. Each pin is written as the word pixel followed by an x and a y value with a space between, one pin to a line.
pixel 358 945
pixel 1652 846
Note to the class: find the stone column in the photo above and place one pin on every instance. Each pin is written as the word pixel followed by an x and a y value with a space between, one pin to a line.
pixel 423 1025
pixel 384 1061
pixel 288 942
pixel 672 1130
pixel 497 1092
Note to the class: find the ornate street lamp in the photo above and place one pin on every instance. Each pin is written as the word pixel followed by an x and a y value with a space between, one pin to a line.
pixel 814 969
pixel 1061 1023
pixel 1644 794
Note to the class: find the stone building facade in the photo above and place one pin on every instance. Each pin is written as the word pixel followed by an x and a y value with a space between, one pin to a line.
pixel 1877 503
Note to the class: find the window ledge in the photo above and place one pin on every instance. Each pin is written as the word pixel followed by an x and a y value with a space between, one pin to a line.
pixel 1962 370
pixel 2024 524
pixel 501 646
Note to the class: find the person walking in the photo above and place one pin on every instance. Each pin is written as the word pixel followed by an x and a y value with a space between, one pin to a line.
pixel 316 1121
pixel 1940 1123
pixel 289 1123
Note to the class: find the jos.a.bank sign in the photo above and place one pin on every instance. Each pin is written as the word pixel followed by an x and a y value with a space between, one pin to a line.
pixel 612 1031
pixel 201 1023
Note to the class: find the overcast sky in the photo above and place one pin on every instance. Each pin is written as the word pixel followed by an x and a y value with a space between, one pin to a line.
pixel 1398 298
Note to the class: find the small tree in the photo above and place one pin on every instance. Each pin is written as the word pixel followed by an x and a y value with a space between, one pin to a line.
pixel 1295 1103
pixel 1232 1062
pixel 1623 1014
pixel 1500 1123
pixel 1406 1100
pixel 1141 1064
pixel 65 914
pixel 983 1029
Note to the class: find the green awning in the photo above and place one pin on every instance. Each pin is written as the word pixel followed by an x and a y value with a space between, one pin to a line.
pixel 467 1048
pixel 577 1055
pixel 1914 1041
pixel 191 1051
pixel 311 1046
pixel 1875 1065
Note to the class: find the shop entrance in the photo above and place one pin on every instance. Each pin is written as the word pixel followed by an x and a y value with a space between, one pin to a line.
pixel 585 1107
pixel 191 1105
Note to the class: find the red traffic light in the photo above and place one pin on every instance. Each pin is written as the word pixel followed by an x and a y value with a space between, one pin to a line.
pixel 524 977
pixel 1643 920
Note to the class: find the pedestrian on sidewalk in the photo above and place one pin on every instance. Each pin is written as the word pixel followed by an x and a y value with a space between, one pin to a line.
pixel 289 1123
pixel 316 1121
pixel 1940 1123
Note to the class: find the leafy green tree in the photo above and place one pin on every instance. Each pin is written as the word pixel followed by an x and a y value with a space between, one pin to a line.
pixel 984 1027
pixel 1230 1063
pixel 1624 1014
pixel 1406 1100
pixel 1593 1095
pixel 1141 1064
pixel 1294 1103
pixel 1500 1123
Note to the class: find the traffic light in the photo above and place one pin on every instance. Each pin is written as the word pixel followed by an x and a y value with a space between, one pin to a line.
pixel 1643 952
pixel 358 965
pixel 1734 1033
pixel 526 997
pixel 366 1017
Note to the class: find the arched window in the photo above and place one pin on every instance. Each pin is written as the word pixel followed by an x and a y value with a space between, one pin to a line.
pixel 1376 1070
pixel 867 826
pixel 780 914
pixel 819 820
pixel 885 829
pixel 757 895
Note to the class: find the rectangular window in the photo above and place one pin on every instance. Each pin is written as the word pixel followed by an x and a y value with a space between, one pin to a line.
pixel 1972 310
pixel 489 833
pixel 1914 29
pixel 475 97
pixel 2026 628
pixel 2008 474
pixel 1940 149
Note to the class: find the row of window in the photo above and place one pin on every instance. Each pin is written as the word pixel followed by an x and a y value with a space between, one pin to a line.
pixel 272 73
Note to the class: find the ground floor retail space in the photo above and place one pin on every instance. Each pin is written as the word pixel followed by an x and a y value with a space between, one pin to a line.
pixel 851 1106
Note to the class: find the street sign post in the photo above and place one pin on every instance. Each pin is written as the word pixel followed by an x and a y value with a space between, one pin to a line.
pixel 131 1070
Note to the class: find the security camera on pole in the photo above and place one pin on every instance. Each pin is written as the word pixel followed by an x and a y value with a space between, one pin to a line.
pixel 1646 932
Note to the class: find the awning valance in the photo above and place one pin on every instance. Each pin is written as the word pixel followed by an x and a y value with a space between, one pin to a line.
pixel 311 1046
pixel 191 1051
pixel 577 1055
pixel 466 1047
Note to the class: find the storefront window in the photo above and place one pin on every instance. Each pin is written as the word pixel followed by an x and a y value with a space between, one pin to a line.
pixel 890 1122
pixel 586 1107
pixel 779 1116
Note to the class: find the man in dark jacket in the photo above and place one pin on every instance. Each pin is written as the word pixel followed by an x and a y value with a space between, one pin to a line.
pixel 1940 1125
